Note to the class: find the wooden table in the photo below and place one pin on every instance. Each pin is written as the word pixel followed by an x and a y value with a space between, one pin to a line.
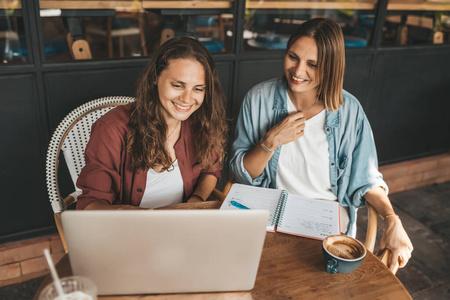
pixel 291 267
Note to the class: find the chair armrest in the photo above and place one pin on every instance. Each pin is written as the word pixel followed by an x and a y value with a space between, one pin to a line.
pixel 71 199
pixel 60 231
pixel 386 257
pixel 218 194
pixel 228 185
pixel 371 234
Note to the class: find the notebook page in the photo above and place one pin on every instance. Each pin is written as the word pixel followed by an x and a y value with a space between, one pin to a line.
pixel 254 198
pixel 310 217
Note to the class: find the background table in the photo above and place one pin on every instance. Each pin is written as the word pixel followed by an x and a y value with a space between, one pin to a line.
pixel 291 267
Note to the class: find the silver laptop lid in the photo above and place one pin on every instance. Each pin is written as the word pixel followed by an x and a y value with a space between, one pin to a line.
pixel 176 251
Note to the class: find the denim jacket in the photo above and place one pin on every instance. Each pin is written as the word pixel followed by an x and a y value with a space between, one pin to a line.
pixel 353 157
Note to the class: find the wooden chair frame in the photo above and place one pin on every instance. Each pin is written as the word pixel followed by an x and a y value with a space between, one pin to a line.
pixel 62 138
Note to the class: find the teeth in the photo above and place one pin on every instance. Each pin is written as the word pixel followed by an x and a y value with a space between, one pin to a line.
pixel 181 107
pixel 298 79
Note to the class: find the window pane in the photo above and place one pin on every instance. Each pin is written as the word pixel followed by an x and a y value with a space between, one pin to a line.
pixel 416 22
pixel 112 29
pixel 13 48
pixel 210 21
pixel 268 24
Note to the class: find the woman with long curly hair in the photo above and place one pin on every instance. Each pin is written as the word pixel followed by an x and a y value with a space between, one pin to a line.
pixel 167 147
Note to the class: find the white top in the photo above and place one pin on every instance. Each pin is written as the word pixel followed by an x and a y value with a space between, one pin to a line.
pixel 303 166
pixel 163 188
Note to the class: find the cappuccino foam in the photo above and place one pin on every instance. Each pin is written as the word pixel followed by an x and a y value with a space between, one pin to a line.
pixel 344 247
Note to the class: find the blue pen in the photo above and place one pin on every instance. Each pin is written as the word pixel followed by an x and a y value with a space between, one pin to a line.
pixel 238 205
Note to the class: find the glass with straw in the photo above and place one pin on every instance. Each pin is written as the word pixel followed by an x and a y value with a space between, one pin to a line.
pixel 67 288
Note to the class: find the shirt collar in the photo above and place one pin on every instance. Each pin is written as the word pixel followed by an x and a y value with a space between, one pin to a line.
pixel 280 103
pixel 333 118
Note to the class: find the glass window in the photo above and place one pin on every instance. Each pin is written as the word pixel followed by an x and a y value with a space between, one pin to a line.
pixel 112 29
pixel 268 24
pixel 416 22
pixel 13 47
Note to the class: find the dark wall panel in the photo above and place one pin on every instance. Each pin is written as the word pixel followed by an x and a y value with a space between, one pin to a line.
pixel 252 73
pixel 67 90
pixel 357 72
pixel 22 175
pixel 408 105
pixel 225 70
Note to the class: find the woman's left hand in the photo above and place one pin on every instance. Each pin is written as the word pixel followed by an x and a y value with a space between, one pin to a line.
pixel 396 239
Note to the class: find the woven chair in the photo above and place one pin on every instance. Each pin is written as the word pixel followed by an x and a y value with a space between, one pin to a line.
pixel 71 137
pixel 371 234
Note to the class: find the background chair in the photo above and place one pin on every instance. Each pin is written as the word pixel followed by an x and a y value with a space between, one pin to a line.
pixel 121 26
pixel 79 49
pixel 71 137
pixel 372 225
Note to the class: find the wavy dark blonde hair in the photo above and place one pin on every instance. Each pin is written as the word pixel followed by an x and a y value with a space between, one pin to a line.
pixel 331 58
pixel 147 126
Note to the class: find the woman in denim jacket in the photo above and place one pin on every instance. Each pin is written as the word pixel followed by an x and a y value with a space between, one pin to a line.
pixel 305 134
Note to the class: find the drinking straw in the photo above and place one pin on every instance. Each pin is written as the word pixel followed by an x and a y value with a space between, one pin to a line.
pixel 55 277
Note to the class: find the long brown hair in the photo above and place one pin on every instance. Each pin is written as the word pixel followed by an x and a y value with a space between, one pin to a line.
pixel 147 126
pixel 331 58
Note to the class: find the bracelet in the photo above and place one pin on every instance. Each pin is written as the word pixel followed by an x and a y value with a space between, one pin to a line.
pixel 390 215
pixel 383 223
pixel 197 196
pixel 265 147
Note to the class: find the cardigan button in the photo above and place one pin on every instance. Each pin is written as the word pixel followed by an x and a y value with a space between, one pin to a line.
pixel 332 163
pixel 333 185
pixel 139 190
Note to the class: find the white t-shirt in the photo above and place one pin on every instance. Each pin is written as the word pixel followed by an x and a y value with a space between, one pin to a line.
pixel 303 166
pixel 163 188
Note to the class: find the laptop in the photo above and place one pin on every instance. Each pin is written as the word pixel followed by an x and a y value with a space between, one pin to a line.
pixel 173 251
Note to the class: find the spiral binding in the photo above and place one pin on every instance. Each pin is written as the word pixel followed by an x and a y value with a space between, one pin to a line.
pixel 278 218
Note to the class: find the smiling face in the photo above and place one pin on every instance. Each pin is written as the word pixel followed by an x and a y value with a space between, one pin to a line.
pixel 300 67
pixel 181 88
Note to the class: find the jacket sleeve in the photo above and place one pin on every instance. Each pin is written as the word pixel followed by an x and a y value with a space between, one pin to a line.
pixel 100 178
pixel 364 173
pixel 247 136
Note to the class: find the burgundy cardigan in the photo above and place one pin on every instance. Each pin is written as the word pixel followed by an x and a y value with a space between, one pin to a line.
pixel 107 177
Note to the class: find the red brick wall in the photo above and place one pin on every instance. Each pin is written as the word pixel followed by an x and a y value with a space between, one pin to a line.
pixel 24 260
pixel 417 173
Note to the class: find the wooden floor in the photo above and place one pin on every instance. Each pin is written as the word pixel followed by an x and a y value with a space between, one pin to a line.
pixel 425 213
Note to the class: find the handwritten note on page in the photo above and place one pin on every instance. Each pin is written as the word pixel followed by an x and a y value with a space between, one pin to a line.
pixel 310 217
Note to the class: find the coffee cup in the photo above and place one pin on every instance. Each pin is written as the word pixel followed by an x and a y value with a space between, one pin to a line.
pixel 342 253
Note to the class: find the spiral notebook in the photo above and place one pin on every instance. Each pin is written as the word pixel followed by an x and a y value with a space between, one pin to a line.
pixel 289 213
